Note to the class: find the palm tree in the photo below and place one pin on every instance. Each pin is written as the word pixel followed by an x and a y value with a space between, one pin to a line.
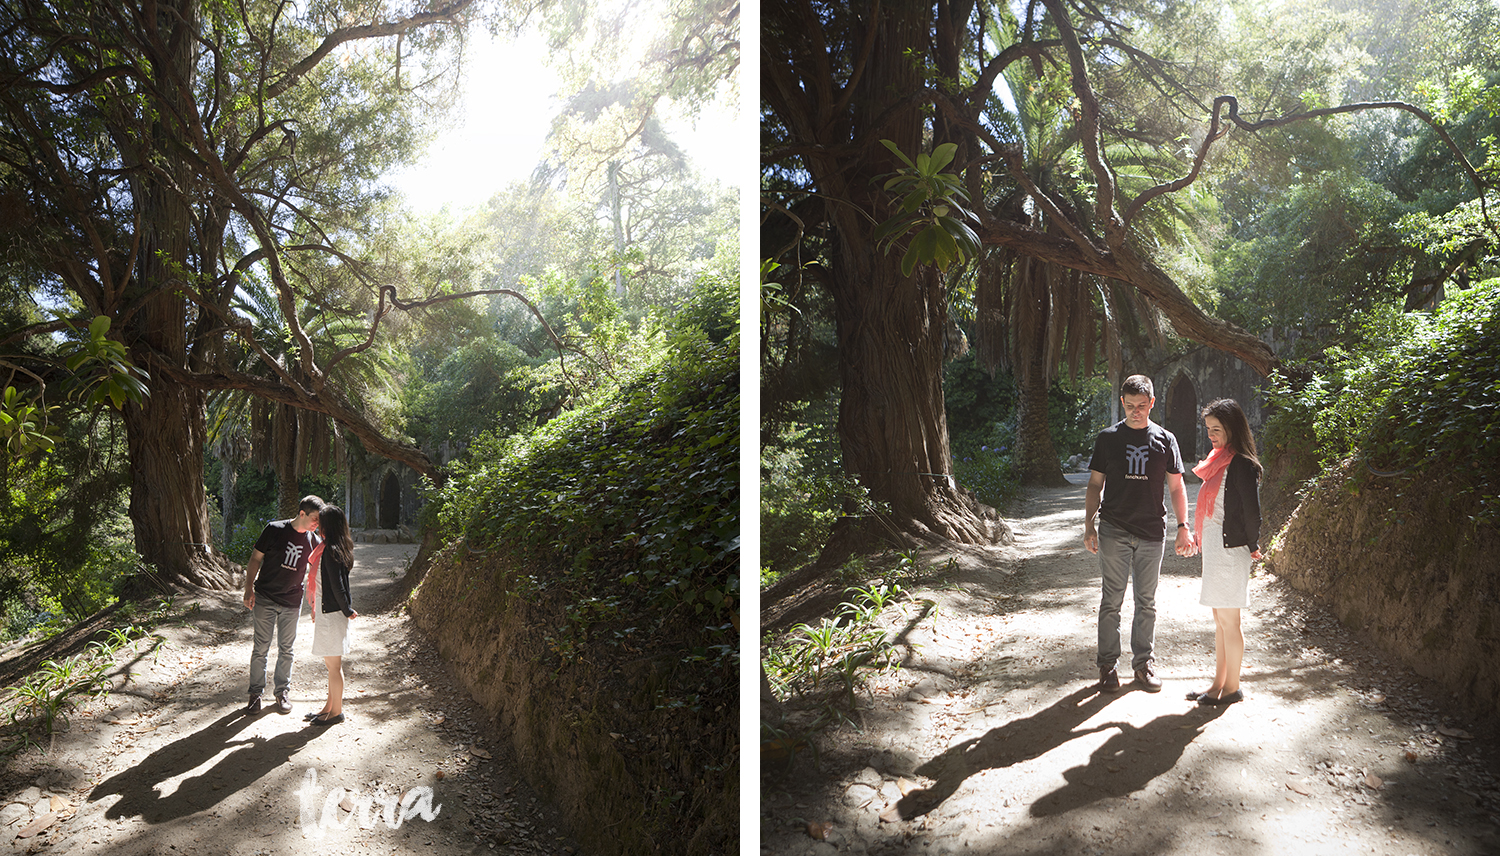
pixel 292 441
pixel 1033 316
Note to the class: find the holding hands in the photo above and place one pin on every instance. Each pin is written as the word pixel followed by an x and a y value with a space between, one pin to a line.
pixel 1186 544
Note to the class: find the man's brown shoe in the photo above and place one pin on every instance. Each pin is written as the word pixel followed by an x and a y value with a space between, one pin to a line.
pixel 1146 677
pixel 1109 679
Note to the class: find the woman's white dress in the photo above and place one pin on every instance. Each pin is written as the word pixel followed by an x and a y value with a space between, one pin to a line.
pixel 1226 573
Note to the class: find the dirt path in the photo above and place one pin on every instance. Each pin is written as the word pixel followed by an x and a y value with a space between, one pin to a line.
pixel 991 739
pixel 168 765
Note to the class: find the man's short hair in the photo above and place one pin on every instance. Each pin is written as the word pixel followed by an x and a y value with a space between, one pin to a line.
pixel 310 504
pixel 1137 384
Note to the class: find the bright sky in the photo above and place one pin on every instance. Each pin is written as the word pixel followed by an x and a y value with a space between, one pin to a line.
pixel 498 136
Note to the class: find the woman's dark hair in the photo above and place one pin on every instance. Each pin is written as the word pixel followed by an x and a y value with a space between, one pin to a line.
pixel 1229 414
pixel 335 530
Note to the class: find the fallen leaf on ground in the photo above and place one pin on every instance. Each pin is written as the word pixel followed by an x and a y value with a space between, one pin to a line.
pixel 1373 781
pixel 1299 789
pixel 781 748
pixel 38 825
pixel 906 786
pixel 479 753
pixel 1454 732
pixel 1411 756
pixel 60 804
pixel 820 831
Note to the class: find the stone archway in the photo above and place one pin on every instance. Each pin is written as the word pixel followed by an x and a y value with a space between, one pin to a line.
pixel 1182 417
pixel 390 502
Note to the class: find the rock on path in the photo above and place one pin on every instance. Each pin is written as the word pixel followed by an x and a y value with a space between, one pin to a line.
pixel 167 765
pixel 991 739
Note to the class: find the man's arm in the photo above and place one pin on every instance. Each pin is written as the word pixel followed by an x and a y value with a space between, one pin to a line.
pixel 251 570
pixel 1185 545
pixel 1090 508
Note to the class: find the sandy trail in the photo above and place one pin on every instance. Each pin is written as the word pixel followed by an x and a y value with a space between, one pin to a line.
pixel 992 740
pixel 168 763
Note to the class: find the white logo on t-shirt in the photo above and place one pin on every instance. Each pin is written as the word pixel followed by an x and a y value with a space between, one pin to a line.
pixel 1135 459
pixel 293 554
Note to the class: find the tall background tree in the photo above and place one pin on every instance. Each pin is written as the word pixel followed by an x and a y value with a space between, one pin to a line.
pixel 151 155
pixel 837 81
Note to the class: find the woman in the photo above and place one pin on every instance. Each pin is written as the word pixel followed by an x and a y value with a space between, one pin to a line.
pixel 1227 523
pixel 332 611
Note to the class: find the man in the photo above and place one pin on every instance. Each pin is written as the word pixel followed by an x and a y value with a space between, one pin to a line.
pixel 1132 459
pixel 273 594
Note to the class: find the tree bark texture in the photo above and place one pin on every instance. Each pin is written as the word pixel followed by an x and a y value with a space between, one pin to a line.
pixel 168 502
pixel 1035 454
pixel 166 432
pixel 891 328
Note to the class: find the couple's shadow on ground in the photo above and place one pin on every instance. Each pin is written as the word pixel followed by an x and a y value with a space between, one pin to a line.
pixel 1123 764
pixel 139 786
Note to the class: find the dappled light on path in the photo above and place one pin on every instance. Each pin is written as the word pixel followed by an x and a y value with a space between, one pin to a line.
pixel 992 738
pixel 170 763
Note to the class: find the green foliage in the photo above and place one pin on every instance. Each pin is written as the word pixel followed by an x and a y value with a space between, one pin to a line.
pixel 102 371
pixel 23 425
pixel 933 203
pixel 1305 261
pixel 65 539
pixel 1418 388
pixel 975 400
pixel 842 647
pixel 803 488
pixel 982 424
pixel 485 385
pixel 633 496
pixel 987 468
pixel 45 697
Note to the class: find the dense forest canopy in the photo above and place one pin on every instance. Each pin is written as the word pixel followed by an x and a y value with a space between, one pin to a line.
pixel 1102 177
pixel 208 286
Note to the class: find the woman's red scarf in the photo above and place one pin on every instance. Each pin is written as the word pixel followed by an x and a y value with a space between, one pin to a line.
pixel 1211 470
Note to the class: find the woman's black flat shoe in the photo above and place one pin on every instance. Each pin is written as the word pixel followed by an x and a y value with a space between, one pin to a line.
pixel 326 720
pixel 1196 696
pixel 1210 701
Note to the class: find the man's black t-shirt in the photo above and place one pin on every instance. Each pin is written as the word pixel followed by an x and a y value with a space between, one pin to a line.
pixel 283 571
pixel 1135 463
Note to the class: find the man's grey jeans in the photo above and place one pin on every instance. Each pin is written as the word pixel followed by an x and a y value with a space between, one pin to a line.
pixel 1125 558
pixel 269 617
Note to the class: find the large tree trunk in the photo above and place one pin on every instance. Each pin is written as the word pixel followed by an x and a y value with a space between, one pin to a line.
pixel 1036 455
pixel 286 426
pixel 168 502
pixel 892 426
pixel 165 433
pixel 891 328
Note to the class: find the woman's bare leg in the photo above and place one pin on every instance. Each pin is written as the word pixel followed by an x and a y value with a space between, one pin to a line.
pixel 335 704
pixel 1229 650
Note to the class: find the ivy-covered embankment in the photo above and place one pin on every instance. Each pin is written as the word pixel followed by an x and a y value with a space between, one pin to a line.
pixel 587 598
pixel 1399 532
